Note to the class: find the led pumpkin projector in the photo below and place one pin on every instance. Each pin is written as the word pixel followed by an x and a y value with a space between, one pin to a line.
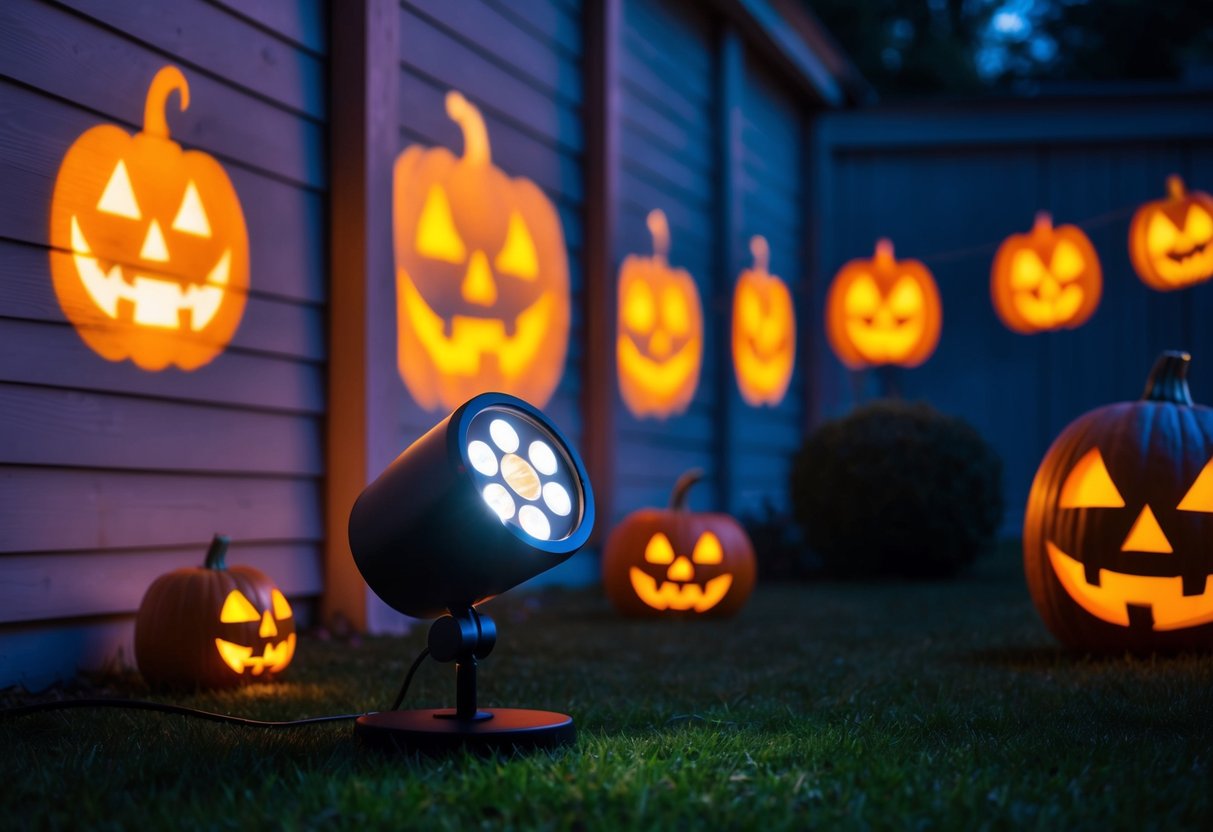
pixel 491 496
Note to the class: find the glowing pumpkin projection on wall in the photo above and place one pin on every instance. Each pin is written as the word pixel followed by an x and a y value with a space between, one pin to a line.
pixel 1047 279
pixel 659 344
pixel 1119 522
pixel 676 562
pixel 213 626
pixel 1171 239
pixel 150 251
pixel 883 311
pixel 482 275
pixel 764 331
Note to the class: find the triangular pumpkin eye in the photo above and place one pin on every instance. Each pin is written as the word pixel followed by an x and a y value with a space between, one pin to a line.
pixel 517 257
pixel 906 299
pixel 1200 495
pixel 436 234
pixel 707 549
pixel 862 298
pixel 237 609
pixel 1089 485
pixel 1199 225
pixel 1160 233
pixel 1067 261
pixel 281 608
pixel 1026 270
pixel 191 217
pixel 118 198
pixel 659 549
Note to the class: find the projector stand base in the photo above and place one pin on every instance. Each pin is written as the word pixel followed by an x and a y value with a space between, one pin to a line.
pixel 435 732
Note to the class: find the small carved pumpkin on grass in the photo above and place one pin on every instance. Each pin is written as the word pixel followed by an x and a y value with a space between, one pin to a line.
pixel 1171 239
pixel 149 249
pixel 764 331
pixel 1045 280
pixel 676 562
pixel 213 626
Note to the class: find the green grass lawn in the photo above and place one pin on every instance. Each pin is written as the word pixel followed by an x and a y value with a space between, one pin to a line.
pixel 943 704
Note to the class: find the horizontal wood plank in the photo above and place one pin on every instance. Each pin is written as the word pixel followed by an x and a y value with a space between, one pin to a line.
pixel 303 22
pixel 550 20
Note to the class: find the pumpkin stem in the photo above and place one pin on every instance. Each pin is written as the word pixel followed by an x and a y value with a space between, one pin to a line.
pixel 216 556
pixel 761 251
pixel 659 229
pixel 475 134
pixel 1175 186
pixel 1044 223
pixel 678 497
pixel 884 250
pixel 166 81
pixel 1168 381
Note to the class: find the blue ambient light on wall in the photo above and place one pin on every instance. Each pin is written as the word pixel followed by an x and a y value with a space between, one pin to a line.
pixel 489 497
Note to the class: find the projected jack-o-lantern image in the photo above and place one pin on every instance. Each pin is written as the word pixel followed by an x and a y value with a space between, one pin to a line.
pixel 1047 279
pixel 883 311
pixel 678 562
pixel 764 331
pixel 659 341
pixel 149 248
pixel 213 626
pixel 1171 239
pixel 1119 522
pixel 482 279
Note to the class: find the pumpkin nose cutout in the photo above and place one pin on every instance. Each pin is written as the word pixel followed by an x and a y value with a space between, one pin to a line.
pixel 1146 535
pixel 268 628
pixel 478 286
pixel 154 248
pixel 681 570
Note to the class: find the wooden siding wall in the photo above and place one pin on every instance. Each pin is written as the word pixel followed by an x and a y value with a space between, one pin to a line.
pixel 109 475
pixel 947 185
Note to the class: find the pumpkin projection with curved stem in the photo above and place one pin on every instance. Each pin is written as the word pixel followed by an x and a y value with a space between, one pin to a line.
pixel 764 331
pixel 482 276
pixel 1171 239
pixel 659 343
pixel 883 311
pixel 1118 523
pixel 149 248
pixel 213 626
pixel 1047 279
pixel 676 562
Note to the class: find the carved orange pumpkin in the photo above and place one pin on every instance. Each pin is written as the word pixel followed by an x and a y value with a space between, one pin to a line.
pixel 1171 239
pixel 764 331
pixel 677 562
pixel 883 311
pixel 1119 521
pixel 659 346
pixel 1047 279
pixel 150 251
pixel 213 626
pixel 482 275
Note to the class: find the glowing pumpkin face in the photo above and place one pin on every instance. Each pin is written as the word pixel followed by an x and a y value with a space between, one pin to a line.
pixel 1048 279
pixel 883 311
pixel 213 626
pixel 676 562
pixel 1119 519
pixel 764 331
pixel 149 248
pixel 659 344
pixel 1171 239
pixel 482 282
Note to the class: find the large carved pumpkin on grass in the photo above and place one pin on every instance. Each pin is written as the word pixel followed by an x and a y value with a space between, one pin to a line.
pixel 1118 532
pixel 482 276
pixel 149 249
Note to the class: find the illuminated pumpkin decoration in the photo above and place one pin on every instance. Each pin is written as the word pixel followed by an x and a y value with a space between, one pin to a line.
pixel 213 626
pixel 1119 521
pixel 1171 239
pixel 883 311
pixel 659 345
pixel 764 331
pixel 149 249
pixel 482 275
pixel 678 562
pixel 1047 279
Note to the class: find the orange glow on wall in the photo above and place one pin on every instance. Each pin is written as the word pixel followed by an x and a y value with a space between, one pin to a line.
pixel 764 331
pixel 883 311
pixel 482 276
pixel 1171 239
pixel 1047 279
pixel 149 248
pixel 659 343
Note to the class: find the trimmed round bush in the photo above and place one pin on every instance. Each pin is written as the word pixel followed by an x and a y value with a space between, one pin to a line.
pixel 897 489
